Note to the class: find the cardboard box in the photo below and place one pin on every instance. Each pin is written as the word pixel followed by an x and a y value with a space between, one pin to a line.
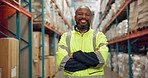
pixel 9 57
pixel 46 45
pixel 36 45
pixel 37 41
pixel 46 68
pixel 35 69
pixel 52 66
pixel 0 72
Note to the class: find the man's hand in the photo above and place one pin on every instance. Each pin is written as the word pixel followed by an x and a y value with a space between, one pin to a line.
pixel 70 55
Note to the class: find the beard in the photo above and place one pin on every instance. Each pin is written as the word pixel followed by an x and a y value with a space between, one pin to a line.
pixel 78 25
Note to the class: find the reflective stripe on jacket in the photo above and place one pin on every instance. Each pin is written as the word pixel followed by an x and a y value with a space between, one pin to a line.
pixel 87 42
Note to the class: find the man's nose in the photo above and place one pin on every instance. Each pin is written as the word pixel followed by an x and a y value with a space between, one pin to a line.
pixel 84 16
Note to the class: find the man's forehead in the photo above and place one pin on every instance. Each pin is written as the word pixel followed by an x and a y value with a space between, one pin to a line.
pixel 83 8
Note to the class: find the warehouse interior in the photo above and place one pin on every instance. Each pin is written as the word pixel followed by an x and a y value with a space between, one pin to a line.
pixel 31 29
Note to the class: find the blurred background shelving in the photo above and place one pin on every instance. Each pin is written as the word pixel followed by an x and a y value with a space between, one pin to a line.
pixel 37 25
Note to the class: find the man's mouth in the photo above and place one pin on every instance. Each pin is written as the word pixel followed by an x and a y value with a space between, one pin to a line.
pixel 83 21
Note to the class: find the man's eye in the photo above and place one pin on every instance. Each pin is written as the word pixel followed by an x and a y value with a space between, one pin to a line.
pixel 80 13
pixel 87 14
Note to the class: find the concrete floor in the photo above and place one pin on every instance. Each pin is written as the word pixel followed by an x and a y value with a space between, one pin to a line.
pixel 108 74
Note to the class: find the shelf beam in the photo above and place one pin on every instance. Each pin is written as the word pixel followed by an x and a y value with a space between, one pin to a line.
pixel 17 7
pixel 130 36
pixel 117 14
pixel 49 27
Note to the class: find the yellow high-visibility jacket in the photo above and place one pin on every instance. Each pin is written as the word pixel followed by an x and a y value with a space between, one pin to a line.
pixel 86 61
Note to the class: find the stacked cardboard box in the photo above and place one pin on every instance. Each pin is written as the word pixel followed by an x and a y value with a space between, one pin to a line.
pixel 138 14
pixel 143 13
pixel 46 67
pixel 36 50
pixel 9 58
pixel 37 54
pixel 52 66
pixel 133 18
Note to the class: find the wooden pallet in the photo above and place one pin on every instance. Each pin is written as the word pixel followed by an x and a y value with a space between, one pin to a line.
pixel 47 23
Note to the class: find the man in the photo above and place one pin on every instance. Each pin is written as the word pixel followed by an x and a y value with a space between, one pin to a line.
pixel 83 52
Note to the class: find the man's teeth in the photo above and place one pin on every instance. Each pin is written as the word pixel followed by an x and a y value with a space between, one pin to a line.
pixel 83 20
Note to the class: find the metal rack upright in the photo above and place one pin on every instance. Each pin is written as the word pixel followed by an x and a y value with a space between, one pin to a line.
pixel 20 10
pixel 128 39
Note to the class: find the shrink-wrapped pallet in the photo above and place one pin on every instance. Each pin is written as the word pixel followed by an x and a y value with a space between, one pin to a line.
pixel 138 66
pixel 133 18
pixel 143 13
pixel 146 67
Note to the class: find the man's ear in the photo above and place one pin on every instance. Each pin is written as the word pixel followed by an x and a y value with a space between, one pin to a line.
pixel 75 18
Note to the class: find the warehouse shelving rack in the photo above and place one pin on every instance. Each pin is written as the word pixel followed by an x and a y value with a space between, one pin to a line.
pixel 106 10
pixel 128 39
pixel 19 9
pixel 48 27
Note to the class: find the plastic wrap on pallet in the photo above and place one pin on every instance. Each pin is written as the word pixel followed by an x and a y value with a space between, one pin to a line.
pixel 114 61
pixel 111 33
pixel 146 67
pixel 114 8
pixel 104 5
pixel 138 66
pixel 54 18
pixel 143 13
pixel 122 28
pixel 60 5
pixel 119 4
pixel 123 65
pixel 118 31
pixel 65 8
pixel 51 15
pixel 133 18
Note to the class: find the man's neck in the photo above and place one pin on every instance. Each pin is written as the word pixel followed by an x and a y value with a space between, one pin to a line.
pixel 82 30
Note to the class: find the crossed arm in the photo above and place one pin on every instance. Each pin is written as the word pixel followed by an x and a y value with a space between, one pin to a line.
pixel 81 60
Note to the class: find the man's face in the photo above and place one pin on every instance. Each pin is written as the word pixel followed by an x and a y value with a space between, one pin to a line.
pixel 83 17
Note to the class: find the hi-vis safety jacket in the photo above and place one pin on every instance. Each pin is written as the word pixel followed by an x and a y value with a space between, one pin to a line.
pixel 86 61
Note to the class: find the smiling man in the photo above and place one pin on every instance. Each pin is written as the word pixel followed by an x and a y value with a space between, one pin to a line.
pixel 83 18
pixel 82 53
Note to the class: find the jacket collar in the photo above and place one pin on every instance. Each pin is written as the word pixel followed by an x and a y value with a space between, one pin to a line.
pixel 78 31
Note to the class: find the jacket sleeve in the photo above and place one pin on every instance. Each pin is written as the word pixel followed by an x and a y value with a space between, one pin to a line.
pixel 89 59
pixel 64 61
pixel 62 54
pixel 102 52
pixel 74 65
pixel 97 58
